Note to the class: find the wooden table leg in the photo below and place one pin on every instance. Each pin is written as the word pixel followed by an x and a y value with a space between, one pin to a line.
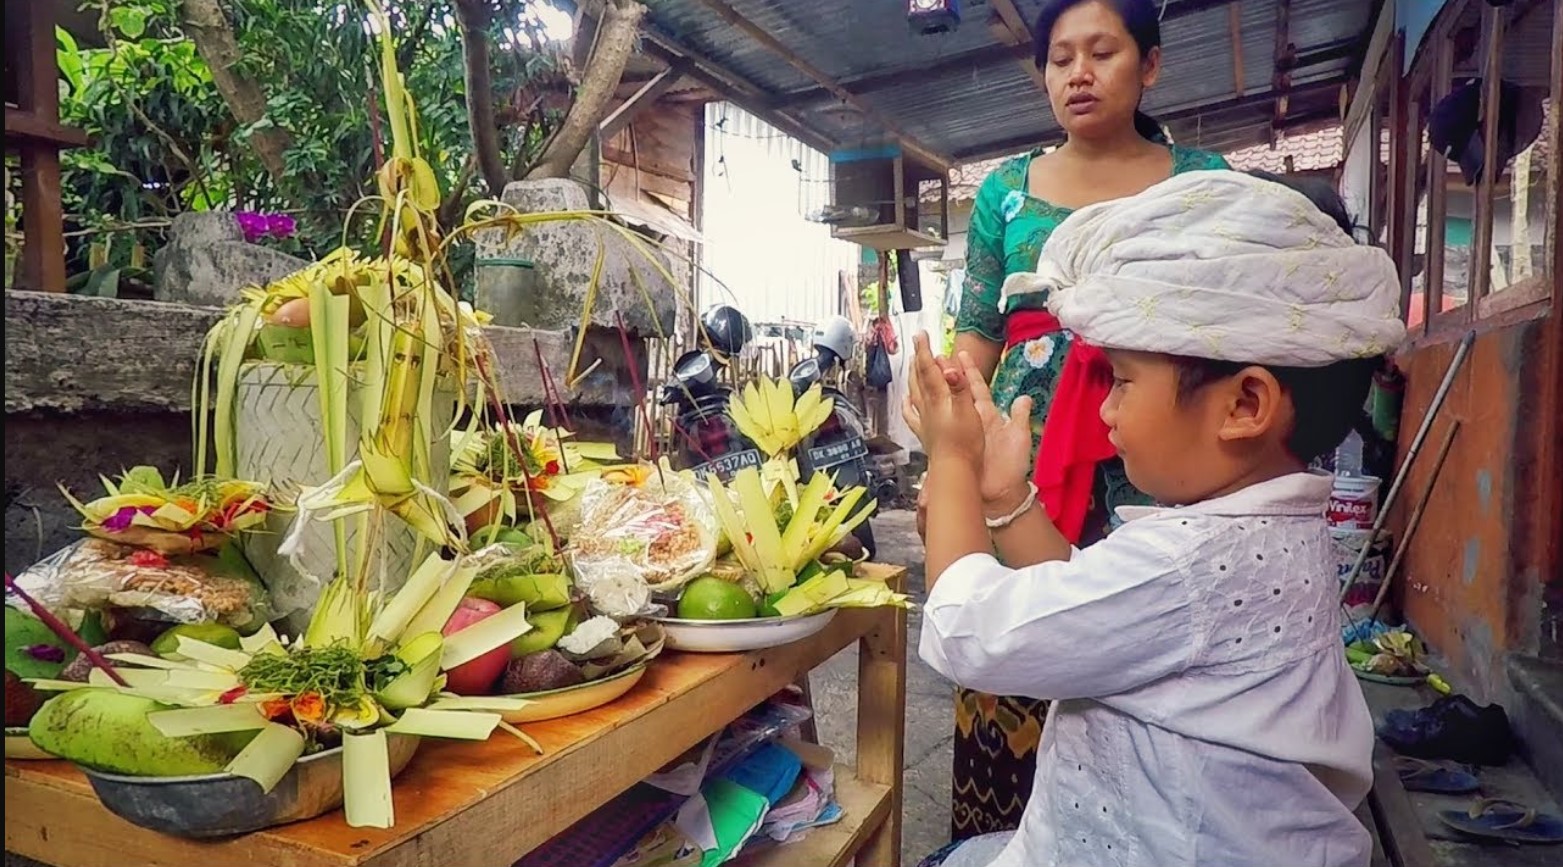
pixel 810 727
pixel 881 724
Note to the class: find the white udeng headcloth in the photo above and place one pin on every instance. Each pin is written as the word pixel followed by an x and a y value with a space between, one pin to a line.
pixel 1220 265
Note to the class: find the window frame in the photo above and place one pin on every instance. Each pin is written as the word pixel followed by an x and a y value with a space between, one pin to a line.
pixel 1430 72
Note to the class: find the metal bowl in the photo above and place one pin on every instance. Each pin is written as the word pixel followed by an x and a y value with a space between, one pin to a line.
pixel 223 805
pixel 736 636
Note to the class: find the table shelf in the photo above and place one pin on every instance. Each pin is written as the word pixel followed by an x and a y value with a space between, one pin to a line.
pixel 865 806
pixel 487 804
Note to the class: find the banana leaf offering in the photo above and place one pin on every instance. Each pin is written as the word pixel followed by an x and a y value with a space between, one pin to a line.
pixel 1397 653
pixel 202 514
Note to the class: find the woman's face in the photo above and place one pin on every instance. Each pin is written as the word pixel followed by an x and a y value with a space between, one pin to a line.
pixel 1094 72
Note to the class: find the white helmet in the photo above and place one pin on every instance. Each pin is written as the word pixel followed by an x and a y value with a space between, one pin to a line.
pixel 836 334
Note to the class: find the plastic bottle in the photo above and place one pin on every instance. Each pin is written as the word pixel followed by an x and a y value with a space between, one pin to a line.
pixel 1348 457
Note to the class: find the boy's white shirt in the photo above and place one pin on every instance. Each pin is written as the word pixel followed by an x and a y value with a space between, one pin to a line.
pixel 1204 713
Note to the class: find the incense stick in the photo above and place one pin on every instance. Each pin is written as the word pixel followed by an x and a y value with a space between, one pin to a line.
pixel 58 627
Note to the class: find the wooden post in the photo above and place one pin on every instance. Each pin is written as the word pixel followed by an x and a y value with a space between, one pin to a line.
pixel 1235 36
pixel 37 83
pixel 1481 254
pixel 882 301
pixel 881 721
pixel 1285 59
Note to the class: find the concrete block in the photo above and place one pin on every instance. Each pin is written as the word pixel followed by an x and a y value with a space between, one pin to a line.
pixel 207 261
pixel 541 275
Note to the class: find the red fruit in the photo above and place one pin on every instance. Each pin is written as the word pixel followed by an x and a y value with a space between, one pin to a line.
pixel 477 676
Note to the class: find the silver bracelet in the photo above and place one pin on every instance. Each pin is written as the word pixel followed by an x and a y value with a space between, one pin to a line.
pixel 1023 508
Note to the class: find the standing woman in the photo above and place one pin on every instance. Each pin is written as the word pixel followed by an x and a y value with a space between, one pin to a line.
pixel 1099 56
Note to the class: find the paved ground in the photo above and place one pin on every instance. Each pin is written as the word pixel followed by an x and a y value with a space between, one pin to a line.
pixel 930 709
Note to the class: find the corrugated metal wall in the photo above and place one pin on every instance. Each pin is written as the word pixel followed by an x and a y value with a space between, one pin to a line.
pixel 761 252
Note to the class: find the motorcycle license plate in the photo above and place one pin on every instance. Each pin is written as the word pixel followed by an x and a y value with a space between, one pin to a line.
pixel 833 454
pixel 727 466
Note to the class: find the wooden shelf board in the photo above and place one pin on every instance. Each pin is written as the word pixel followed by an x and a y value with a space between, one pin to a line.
pixel 457 803
pixel 887 237
pixel 864 806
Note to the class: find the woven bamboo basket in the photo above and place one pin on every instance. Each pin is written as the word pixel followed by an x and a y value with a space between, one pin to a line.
pixel 280 440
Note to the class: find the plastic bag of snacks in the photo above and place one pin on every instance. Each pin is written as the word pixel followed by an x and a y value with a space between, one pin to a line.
pixel 640 531
pixel 96 575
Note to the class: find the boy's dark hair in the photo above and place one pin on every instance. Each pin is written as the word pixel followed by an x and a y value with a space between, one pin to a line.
pixel 1328 400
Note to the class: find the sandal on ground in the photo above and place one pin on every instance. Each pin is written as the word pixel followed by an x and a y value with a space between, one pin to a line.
pixel 1420 775
pixel 1509 821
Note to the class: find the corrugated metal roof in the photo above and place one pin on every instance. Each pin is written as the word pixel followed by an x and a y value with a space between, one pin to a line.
pixel 965 96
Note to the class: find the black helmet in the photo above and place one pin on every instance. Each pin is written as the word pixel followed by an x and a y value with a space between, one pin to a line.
pixel 726 330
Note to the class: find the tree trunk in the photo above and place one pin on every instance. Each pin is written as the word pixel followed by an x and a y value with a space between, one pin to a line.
pixel 599 81
pixel 213 36
pixel 473 18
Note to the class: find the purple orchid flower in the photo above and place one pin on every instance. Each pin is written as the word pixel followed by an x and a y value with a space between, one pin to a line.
pixel 121 520
pixel 253 225
pixel 280 226
pixel 45 652
pixel 256 225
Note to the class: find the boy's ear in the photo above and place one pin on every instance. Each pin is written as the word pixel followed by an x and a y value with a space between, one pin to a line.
pixel 1256 406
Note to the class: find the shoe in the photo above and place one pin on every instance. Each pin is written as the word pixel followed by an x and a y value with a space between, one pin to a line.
pixel 1453 728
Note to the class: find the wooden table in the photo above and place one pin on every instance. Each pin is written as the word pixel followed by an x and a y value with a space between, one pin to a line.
pixel 487 804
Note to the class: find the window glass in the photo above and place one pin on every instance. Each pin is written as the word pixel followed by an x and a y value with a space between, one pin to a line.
pixel 1519 232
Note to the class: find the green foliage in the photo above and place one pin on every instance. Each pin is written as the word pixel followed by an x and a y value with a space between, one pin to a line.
pixel 165 141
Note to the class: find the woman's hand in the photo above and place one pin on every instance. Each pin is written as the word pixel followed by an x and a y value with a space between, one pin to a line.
pixel 940 409
pixel 1007 458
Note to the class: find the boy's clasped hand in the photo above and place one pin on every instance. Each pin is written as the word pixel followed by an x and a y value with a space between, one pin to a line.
pixel 950 408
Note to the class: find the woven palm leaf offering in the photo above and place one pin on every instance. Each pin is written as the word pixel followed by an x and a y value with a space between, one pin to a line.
pixel 388 647
pixel 199 515
pixel 494 488
pixel 779 534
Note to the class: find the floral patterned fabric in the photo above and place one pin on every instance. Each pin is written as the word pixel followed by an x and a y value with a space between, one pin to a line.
pixel 996 737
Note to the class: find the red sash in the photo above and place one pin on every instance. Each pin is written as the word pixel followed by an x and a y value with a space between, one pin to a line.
pixel 1074 437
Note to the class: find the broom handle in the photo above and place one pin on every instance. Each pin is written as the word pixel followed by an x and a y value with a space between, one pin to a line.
pixel 1416 446
pixel 1414 521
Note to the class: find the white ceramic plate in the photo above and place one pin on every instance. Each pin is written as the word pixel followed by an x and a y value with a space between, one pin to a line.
pixel 736 636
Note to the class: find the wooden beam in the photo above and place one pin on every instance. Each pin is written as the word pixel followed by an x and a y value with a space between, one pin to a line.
pixel 989 56
pixel 1235 36
pixel 1554 216
pixel 648 93
pixel 775 46
pixel 1285 61
pixel 968 61
pixel 1486 210
pixel 29 126
pixel 1015 144
pixel 1010 29
pixel 38 95
pixel 733 88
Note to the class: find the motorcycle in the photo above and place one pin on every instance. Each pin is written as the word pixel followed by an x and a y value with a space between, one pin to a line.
pixel 707 441
pixel 705 438
pixel 839 446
